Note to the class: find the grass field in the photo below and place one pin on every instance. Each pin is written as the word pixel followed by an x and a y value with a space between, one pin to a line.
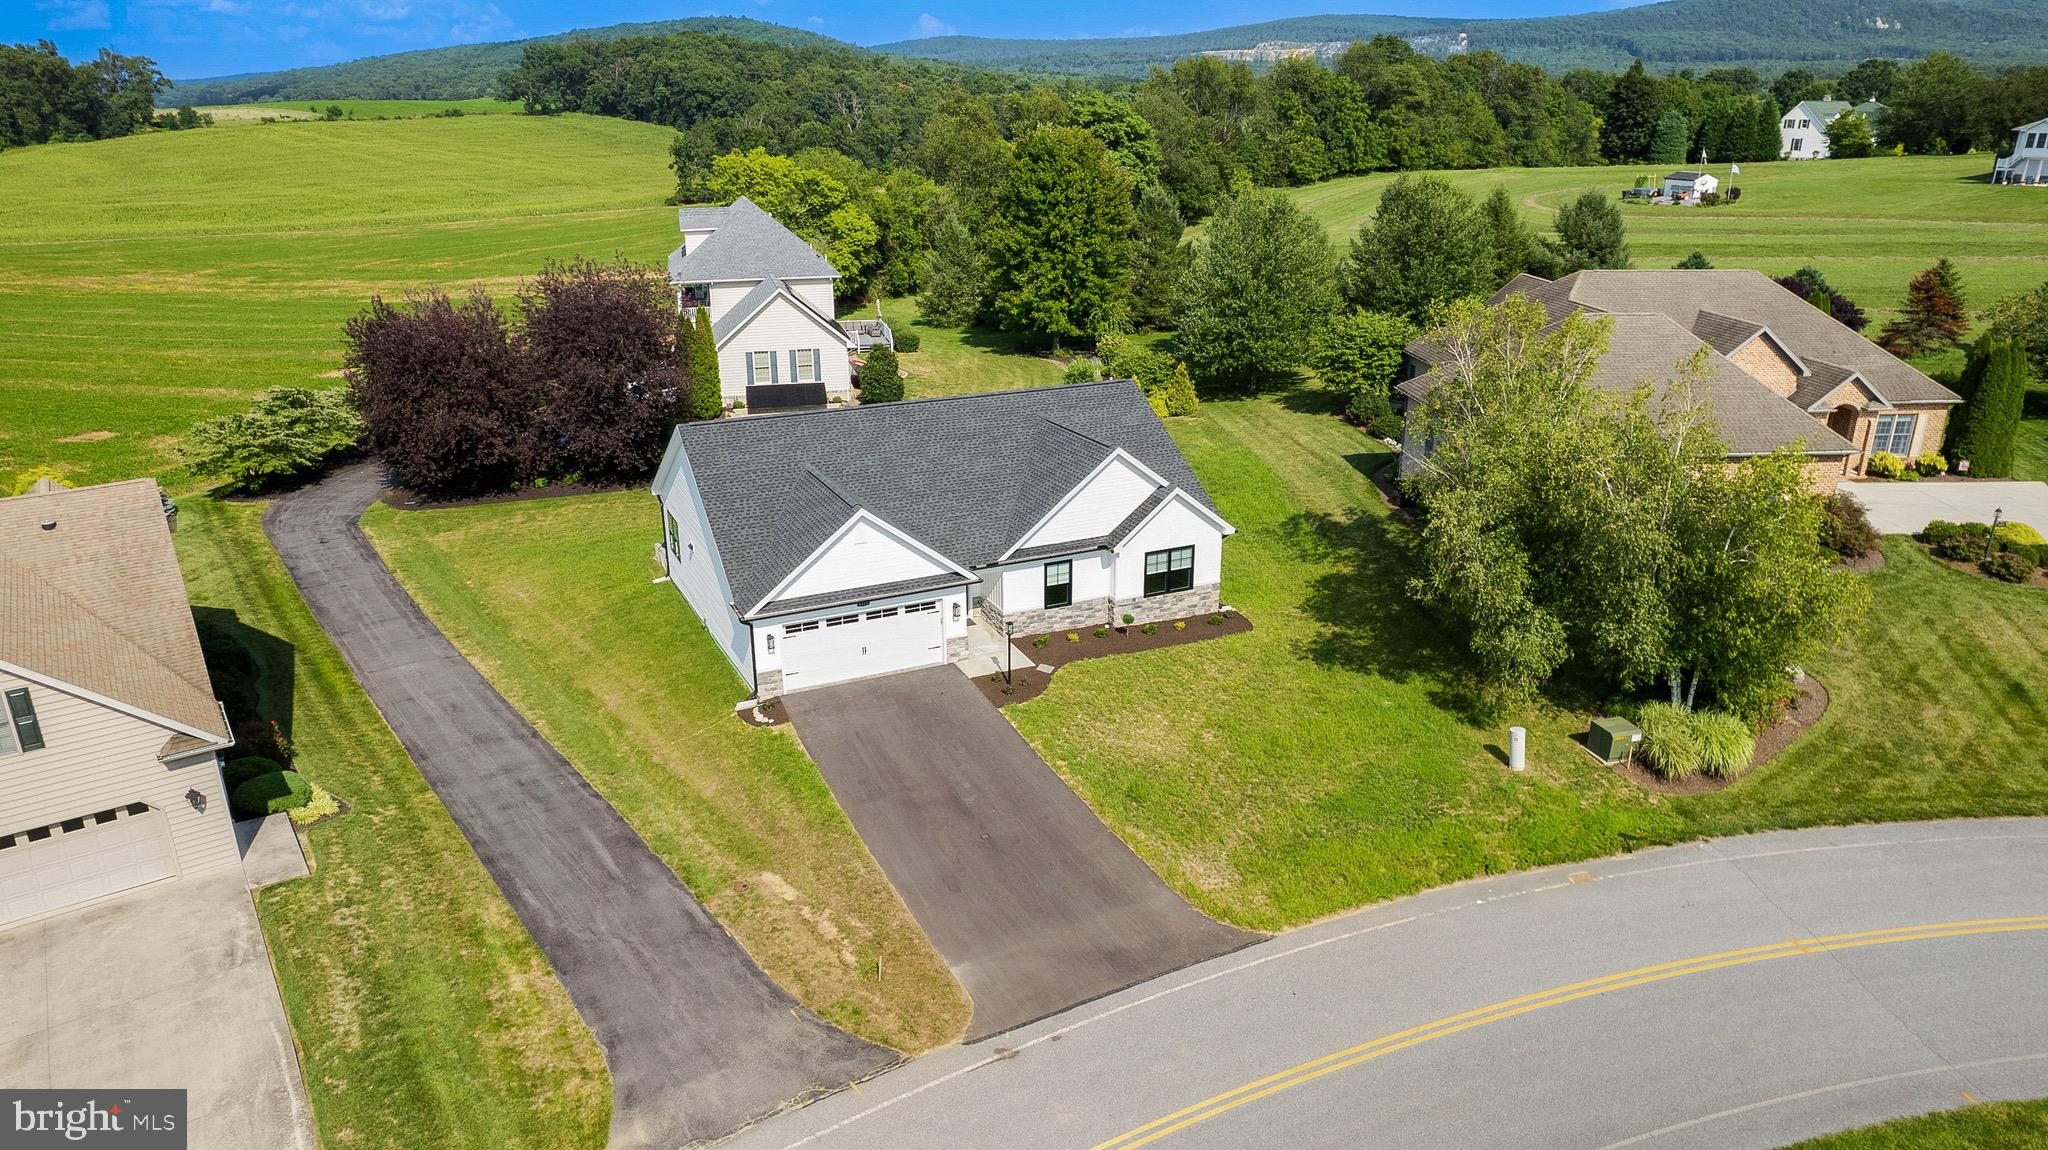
pixel 1869 225
pixel 424 1014
pixel 1325 760
pixel 619 676
pixel 1989 1126
pixel 151 281
pixel 225 115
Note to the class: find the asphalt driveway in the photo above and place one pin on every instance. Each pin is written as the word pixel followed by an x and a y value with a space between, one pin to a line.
pixel 1904 508
pixel 1032 901
pixel 697 1039
pixel 164 987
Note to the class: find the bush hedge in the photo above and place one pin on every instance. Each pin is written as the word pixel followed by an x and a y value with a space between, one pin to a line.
pixel 1845 529
pixel 1959 541
pixel 1885 465
pixel 1930 463
pixel 1679 743
pixel 908 340
pixel 239 771
pixel 2008 567
pixel 271 793
pixel 881 379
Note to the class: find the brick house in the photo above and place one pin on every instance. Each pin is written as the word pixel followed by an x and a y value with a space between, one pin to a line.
pixel 819 547
pixel 1779 370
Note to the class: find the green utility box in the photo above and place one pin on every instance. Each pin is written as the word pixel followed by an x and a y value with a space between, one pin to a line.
pixel 1612 740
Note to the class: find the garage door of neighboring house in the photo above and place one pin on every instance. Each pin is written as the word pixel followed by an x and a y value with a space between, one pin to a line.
pixel 861 643
pixel 97 856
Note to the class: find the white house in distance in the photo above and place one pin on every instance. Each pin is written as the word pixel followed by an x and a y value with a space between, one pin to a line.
pixel 2028 163
pixel 820 547
pixel 109 732
pixel 1803 131
pixel 769 297
pixel 1688 187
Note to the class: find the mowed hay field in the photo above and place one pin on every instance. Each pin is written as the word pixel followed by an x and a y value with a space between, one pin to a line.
pixel 1869 225
pixel 152 281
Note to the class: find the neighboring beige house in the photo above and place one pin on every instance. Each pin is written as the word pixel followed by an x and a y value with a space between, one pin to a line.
pixel 110 735
pixel 1780 371
pixel 2028 163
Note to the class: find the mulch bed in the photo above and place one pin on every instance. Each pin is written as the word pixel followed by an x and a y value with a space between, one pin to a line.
pixel 1864 564
pixel 1028 682
pixel 766 713
pixel 1969 567
pixel 1808 704
pixel 407 500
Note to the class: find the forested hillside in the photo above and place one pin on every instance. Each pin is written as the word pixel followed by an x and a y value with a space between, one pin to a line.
pixel 460 72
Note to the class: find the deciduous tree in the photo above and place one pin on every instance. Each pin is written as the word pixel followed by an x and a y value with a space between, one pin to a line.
pixel 286 433
pixel 1058 243
pixel 954 279
pixel 600 339
pixel 1426 244
pixel 1258 291
pixel 1590 234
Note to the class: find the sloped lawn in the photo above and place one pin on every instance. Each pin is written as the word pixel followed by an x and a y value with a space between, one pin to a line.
pixel 1991 1126
pixel 1329 759
pixel 553 601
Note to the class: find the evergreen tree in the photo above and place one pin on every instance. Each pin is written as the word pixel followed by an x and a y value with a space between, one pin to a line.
pixel 1159 260
pixel 1426 244
pixel 1671 143
pixel 1590 234
pixel 1697 261
pixel 881 379
pixel 1934 317
pixel 1508 237
pixel 1059 236
pixel 1634 106
pixel 1996 379
pixel 706 397
pixel 686 365
pixel 954 278
pixel 1257 292
pixel 1180 392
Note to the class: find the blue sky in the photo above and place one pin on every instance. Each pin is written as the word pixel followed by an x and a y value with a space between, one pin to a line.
pixel 196 38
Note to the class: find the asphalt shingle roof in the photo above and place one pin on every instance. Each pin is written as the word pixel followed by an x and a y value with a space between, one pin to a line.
pixel 958 473
pixel 97 601
pixel 748 245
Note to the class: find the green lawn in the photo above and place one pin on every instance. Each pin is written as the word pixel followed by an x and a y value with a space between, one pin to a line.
pixel 424 1015
pixel 954 361
pixel 1870 225
pixel 151 281
pixel 1990 1126
pixel 1323 761
pixel 226 115
pixel 554 602
pixel 2030 453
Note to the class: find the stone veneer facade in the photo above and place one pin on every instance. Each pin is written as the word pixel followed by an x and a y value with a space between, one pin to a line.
pixel 1099 612
pixel 768 684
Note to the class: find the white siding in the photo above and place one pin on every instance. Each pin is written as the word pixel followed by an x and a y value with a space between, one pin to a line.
pixel 952 612
pixel 695 568
pixel 866 555
pixel 694 236
pixel 724 295
pixel 818 293
pixel 1021 586
pixel 1096 507
pixel 94 758
pixel 778 329
pixel 1176 524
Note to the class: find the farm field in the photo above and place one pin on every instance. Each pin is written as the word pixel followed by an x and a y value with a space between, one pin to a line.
pixel 152 281
pixel 226 114
pixel 1869 225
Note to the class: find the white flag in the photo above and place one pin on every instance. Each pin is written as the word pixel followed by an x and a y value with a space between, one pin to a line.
pixel 1735 169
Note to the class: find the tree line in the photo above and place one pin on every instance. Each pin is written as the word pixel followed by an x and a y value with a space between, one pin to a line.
pixel 45 98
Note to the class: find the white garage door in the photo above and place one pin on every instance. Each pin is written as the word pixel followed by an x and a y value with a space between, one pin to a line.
pixel 38 876
pixel 858 644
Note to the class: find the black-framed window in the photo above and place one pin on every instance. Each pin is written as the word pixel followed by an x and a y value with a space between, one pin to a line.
pixel 1059 583
pixel 24 732
pixel 1170 570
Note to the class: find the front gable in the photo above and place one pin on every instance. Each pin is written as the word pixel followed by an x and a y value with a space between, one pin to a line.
pixel 1096 505
pixel 784 312
pixel 866 551
pixel 1855 391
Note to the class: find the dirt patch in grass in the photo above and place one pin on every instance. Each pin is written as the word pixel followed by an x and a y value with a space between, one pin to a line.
pixel 1864 564
pixel 1063 647
pixel 1808 704
pixel 89 437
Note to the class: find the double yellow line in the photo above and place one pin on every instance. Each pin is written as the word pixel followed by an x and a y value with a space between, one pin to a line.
pixel 1443 1027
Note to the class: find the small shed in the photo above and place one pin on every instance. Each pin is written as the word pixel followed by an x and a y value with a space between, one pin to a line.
pixel 1690 185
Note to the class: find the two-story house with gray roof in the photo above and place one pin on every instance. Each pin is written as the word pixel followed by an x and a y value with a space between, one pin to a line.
pixel 1780 371
pixel 768 295
pixel 819 547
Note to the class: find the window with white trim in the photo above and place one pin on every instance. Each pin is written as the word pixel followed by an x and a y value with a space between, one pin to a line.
pixel 1798 145
pixel 761 366
pixel 1169 571
pixel 803 365
pixel 675 534
pixel 1895 434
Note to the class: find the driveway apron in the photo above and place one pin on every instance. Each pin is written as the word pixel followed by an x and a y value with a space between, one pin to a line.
pixel 1906 508
pixel 1031 900
pixel 697 1039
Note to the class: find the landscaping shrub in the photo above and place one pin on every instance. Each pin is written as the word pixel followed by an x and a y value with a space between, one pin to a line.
pixel 1129 618
pixel 881 379
pixel 317 807
pixel 239 771
pixel 1956 540
pixel 1150 628
pixel 1180 624
pixel 2008 567
pixel 1102 632
pixel 1073 636
pixel 1725 743
pixel 1930 463
pixel 1081 371
pixel 2011 535
pixel 1845 529
pixel 908 340
pixel 1215 620
pixel 1041 641
pixel 1671 740
pixel 1885 465
pixel 286 433
pixel 271 793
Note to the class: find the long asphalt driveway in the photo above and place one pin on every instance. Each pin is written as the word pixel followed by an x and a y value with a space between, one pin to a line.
pixel 1743 993
pixel 1032 901
pixel 697 1039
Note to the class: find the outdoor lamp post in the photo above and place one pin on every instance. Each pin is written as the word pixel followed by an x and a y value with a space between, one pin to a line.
pixel 1009 645
pixel 1991 540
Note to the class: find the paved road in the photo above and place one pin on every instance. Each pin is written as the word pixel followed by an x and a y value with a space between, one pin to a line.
pixel 698 1040
pixel 1031 900
pixel 1904 508
pixel 1650 1001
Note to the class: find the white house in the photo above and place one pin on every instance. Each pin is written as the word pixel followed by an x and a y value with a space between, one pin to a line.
pixel 1690 186
pixel 822 547
pixel 109 733
pixel 2028 163
pixel 1803 131
pixel 769 298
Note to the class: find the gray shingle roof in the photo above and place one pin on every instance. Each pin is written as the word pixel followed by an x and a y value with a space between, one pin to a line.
pixel 748 245
pixel 957 473
pixel 738 314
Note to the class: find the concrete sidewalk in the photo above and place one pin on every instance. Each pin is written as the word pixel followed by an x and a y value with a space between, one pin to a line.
pixel 1904 508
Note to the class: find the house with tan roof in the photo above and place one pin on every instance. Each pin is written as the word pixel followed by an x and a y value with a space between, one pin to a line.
pixel 1779 370
pixel 110 735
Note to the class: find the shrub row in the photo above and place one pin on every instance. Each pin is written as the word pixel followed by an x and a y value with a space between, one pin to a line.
pixel 1679 743
pixel 1885 465
pixel 2017 550
pixel 253 795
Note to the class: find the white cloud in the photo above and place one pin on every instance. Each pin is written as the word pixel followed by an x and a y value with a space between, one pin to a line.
pixel 71 15
pixel 930 25
pixel 383 10
pixel 816 21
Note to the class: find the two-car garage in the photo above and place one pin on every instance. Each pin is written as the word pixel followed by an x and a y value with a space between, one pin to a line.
pixel 856 644
pixel 49 868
